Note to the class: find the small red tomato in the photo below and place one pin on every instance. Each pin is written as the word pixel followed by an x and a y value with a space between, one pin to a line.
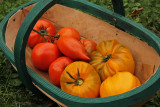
pixel 89 46
pixel 57 67
pixel 68 31
pixel 43 27
pixel 43 54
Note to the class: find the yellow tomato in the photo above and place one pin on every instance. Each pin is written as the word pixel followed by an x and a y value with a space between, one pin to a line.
pixel 120 83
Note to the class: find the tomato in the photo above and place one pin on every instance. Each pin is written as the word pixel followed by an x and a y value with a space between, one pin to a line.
pixel 43 54
pixel 70 32
pixel 111 57
pixel 119 83
pixel 89 46
pixel 57 67
pixel 43 27
pixel 80 79
pixel 72 48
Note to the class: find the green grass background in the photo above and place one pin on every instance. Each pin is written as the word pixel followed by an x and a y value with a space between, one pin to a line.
pixel 12 91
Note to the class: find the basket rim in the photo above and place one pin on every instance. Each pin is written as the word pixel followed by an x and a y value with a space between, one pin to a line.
pixel 58 93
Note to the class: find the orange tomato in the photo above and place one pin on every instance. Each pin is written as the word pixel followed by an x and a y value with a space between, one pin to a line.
pixel 119 83
pixel 111 57
pixel 72 48
pixel 80 79
pixel 70 32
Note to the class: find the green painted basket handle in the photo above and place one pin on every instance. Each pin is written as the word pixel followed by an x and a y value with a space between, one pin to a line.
pixel 27 26
pixel 118 7
pixel 22 38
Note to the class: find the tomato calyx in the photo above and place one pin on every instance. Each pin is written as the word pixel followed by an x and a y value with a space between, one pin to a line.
pixel 82 42
pixel 78 81
pixel 58 36
pixel 106 58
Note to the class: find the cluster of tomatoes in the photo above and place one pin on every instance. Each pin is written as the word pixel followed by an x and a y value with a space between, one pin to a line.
pixel 80 66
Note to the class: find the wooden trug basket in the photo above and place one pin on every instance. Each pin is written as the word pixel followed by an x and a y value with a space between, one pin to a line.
pixel 17 25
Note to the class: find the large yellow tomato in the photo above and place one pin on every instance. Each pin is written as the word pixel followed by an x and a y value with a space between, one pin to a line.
pixel 80 79
pixel 111 57
pixel 119 83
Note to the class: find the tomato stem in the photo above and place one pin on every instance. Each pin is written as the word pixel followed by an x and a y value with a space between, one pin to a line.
pixel 82 42
pixel 70 82
pixel 78 74
pixel 64 66
pixel 45 39
pixel 70 75
pixel 106 58
pixel 43 33
pixel 77 81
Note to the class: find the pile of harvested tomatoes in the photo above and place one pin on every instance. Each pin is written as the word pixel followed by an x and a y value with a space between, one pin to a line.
pixel 80 66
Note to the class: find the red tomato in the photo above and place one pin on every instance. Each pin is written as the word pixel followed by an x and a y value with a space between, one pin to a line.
pixel 44 27
pixel 72 48
pixel 68 31
pixel 43 54
pixel 89 46
pixel 57 67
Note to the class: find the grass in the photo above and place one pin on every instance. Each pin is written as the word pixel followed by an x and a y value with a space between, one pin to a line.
pixel 12 91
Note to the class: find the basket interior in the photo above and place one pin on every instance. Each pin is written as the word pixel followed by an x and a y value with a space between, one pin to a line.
pixel 146 58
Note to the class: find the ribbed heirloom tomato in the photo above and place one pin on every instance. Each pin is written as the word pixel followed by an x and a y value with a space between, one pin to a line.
pixel 41 28
pixel 119 83
pixel 43 54
pixel 111 57
pixel 80 79
pixel 57 67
